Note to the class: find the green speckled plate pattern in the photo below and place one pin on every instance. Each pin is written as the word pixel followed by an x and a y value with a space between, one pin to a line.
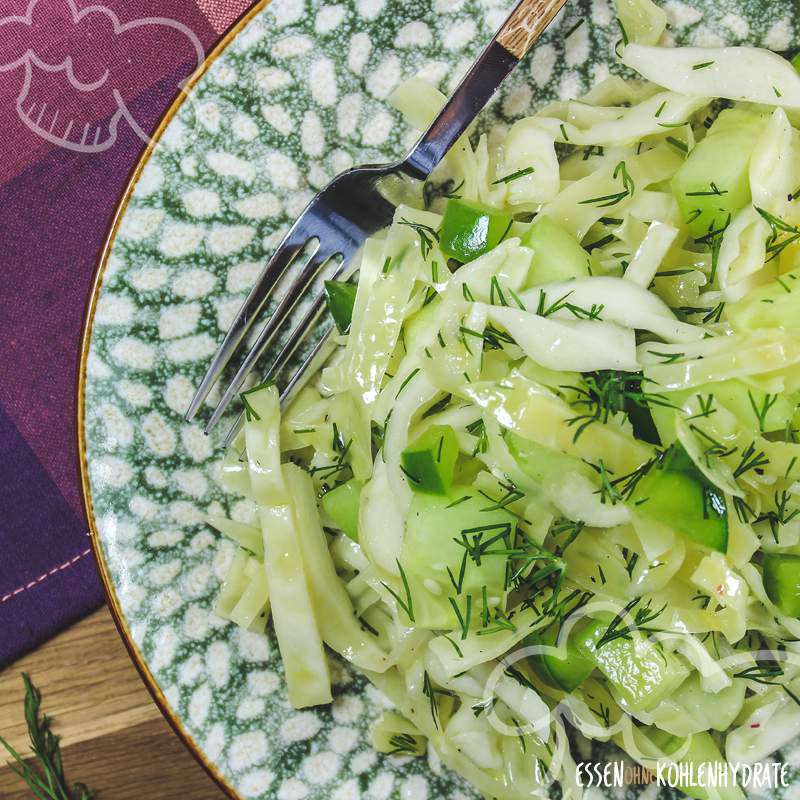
pixel 298 96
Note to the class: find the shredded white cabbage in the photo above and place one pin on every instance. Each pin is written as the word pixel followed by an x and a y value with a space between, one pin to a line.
pixel 569 344
pixel 552 467
pixel 742 256
pixel 642 20
pixel 615 300
pixel 737 73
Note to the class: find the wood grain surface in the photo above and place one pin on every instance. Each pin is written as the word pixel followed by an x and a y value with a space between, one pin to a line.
pixel 114 738
pixel 527 23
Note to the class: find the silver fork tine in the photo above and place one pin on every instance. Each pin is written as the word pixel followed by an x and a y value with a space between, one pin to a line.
pixel 286 253
pixel 317 357
pixel 296 337
pixel 267 335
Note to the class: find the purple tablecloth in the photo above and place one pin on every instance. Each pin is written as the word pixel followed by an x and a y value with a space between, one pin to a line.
pixel 69 138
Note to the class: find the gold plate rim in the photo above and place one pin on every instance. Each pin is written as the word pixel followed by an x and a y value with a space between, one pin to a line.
pixel 86 335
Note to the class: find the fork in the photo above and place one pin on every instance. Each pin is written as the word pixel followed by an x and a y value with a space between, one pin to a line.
pixel 349 210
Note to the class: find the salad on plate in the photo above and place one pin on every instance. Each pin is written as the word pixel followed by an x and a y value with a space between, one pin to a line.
pixel 548 484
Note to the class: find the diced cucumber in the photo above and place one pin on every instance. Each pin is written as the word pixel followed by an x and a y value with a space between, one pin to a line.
pixel 341 297
pixel 435 527
pixel 566 673
pixel 675 490
pixel 693 708
pixel 642 20
pixel 471 229
pixel 774 305
pixel 641 672
pixel 702 750
pixel 341 505
pixel 467 469
pixel 430 461
pixel 557 256
pixel 782 581
pixel 714 182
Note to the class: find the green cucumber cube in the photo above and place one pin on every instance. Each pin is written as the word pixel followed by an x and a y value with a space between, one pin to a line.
pixel 471 229
pixel 433 610
pixel 433 552
pixel 782 581
pixel 557 256
pixel 341 297
pixel 641 672
pixel 566 673
pixel 342 504
pixel 430 461
pixel 714 182
pixel 674 491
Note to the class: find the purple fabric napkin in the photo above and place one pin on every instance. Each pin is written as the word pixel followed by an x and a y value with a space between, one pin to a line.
pixel 69 141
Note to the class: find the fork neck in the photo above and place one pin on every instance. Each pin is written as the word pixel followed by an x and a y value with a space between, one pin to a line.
pixel 519 32
pixel 469 98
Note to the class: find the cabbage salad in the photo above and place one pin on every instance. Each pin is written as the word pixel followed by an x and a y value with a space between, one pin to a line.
pixel 548 482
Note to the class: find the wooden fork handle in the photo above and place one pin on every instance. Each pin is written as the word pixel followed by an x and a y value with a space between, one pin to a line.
pixel 518 34
pixel 526 24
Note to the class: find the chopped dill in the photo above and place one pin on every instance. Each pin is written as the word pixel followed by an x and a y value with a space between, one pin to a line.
pixel 465 619
pixel 762 410
pixel 411 375
pixel 402 744
pixel 678 144
pixel 713 190
pixel 520 173
pixel 628 189
pixel 427 235
pixel 706 407
pixel 408 604
pixel 750 460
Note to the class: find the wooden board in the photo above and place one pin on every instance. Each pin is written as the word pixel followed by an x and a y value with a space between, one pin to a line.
pixel 114 738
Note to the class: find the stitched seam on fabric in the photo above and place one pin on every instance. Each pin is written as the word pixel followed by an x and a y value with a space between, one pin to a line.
pixel 45 575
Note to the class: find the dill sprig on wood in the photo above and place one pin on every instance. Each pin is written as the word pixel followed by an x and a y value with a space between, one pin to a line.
pixel 46 779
